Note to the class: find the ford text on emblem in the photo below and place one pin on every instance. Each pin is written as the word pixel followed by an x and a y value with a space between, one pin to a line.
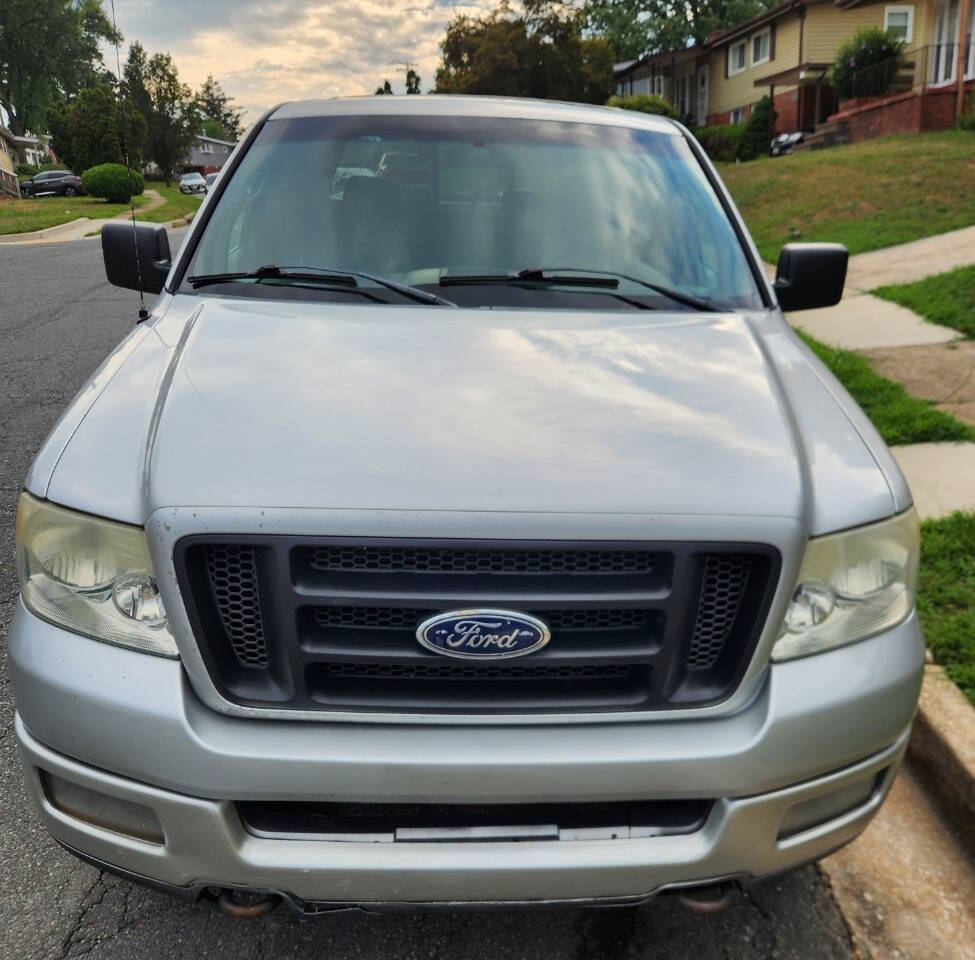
pixel 483 634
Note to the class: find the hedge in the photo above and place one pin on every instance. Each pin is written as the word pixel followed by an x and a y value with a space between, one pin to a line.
pixel 113 182
pixel 721 143
pixel 644 103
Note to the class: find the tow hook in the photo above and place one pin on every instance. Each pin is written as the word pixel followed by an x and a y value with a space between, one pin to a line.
pixel 245 905
pixel 714 898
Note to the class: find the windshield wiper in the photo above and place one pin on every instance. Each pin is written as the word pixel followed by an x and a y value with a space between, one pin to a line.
pixel 321 275
pixel 576 277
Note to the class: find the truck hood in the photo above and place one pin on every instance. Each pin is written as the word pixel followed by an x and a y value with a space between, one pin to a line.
pixel 480 410
pixel 245 403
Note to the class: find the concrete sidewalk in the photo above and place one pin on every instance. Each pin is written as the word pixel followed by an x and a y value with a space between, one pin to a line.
pixel 941 476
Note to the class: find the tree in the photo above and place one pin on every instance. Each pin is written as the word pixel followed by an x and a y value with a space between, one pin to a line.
pixel 412 81
pixel 386 88
pixel 218 110
pixel 49 52
pixel 622 23
pixel 665 24
pixel 169 107
pixel 97 128
pixel 538 52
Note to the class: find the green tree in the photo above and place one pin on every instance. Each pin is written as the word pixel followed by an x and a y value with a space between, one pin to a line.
pixel 218 110
pixel 49 52
pixel 539 51
pixel 665 24
pixel 412 81
pixel 386 88
pixel 97 128
pixel 622 23
pixel 171 111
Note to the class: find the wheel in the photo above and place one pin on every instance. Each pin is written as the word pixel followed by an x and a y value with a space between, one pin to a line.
pixel 69 191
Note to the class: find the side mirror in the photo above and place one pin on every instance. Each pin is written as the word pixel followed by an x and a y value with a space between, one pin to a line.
pixel 810 275
pixel 128 251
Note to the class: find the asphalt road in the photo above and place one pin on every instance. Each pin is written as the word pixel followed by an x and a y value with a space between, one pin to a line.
pixel 58 319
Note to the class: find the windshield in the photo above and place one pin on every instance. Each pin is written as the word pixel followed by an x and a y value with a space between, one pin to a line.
pixel 428 201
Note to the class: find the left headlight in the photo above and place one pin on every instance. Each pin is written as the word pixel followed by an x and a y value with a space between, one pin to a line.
pixel 851 585
pixel 91 576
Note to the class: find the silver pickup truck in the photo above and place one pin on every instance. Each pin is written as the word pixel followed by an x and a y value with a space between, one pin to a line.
pixel 470 529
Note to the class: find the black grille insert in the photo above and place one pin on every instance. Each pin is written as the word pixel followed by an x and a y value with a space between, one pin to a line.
pixel 285 621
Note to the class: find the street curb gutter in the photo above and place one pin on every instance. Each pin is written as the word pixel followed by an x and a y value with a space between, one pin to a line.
pixel 44 234
pixel 942 750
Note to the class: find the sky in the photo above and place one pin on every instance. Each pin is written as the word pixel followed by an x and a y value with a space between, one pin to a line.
pixel 265 52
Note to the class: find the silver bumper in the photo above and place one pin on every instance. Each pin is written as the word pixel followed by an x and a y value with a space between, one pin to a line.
pixel 86 708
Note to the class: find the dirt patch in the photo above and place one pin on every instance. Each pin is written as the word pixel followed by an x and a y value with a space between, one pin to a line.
pixel 943 373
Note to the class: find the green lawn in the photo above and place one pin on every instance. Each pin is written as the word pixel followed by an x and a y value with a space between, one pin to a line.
pixel 20 216
pixel 946 595
pixel 898 416
pixel 177 204
pixel 867 195
pixel 946 298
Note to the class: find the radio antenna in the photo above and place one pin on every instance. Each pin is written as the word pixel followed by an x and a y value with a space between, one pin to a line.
pixel 143 313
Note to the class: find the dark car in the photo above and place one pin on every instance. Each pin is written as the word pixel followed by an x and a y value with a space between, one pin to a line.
pixel 52 183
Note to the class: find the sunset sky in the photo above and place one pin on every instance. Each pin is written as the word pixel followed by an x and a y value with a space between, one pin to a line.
pixel 266 52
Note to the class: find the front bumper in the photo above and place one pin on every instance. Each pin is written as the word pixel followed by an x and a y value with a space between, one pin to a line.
pixel 129 725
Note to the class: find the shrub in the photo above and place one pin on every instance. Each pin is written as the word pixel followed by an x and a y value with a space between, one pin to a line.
pixel 867 64
pixel 113 182
pixel 967 120
pixel 645 103
pixel 26 169
pixel 721 143
pixel 756 137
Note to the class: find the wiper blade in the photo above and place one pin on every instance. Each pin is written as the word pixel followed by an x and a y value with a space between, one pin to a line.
pixel 580 277
pixel 321 275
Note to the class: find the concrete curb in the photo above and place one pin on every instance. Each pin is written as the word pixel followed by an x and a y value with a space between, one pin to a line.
pixel 942 750
pixel 46 233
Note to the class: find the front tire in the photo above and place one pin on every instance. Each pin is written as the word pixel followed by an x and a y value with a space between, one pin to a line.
pixel 70 191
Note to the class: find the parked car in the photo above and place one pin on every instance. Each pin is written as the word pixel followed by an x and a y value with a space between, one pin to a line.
pixel 211 179
pixel 192 183
pixel 494 542
pixel 52 183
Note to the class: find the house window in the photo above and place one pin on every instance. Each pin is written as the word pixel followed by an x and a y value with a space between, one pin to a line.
pixel 738 115
pixel 761 47
pixel 736 58
pixel 899 21
pixel 206 148
pixel 225 149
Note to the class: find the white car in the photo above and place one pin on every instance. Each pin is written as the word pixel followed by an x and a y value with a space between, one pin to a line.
pixel 192 183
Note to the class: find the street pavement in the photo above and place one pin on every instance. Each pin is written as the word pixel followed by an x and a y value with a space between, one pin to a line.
pixel 58 319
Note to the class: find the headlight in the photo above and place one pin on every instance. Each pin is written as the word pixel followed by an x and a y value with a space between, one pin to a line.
pixel 91 576
pixel 851 585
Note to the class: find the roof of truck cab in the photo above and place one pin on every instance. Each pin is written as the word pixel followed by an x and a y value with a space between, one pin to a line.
pixel 455 106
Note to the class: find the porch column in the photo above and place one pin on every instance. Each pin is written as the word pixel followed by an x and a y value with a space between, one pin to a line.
pixel 962 56
pixel 771 114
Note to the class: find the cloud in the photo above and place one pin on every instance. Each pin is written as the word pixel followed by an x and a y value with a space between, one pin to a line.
pixel 266 52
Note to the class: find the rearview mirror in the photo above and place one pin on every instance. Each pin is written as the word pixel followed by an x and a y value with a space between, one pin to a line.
pixel 810 275
pixel 133 248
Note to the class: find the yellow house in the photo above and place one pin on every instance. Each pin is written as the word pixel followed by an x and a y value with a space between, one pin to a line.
pixel 8 178
pixel 787 51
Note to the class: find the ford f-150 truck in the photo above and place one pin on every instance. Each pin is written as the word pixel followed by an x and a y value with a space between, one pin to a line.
pixel 477 533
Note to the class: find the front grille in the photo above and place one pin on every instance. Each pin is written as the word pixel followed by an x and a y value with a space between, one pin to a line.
pixel 331 624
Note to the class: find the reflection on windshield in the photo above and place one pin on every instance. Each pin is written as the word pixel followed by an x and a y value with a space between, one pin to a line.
pixel 415 198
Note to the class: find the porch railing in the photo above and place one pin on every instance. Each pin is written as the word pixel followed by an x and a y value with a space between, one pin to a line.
pixel 919 67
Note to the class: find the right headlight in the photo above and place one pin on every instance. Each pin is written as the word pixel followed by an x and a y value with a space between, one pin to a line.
pixel 90 575
pixel 851 585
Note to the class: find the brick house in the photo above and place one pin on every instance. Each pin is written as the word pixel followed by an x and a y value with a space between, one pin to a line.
pixel 787 51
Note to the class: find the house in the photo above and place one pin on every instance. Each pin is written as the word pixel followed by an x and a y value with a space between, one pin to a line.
pixel 786 53
pixel 8 176
pixel 207 155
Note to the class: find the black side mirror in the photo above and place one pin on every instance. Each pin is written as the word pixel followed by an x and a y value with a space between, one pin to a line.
pixel 810 275
pixel 128 252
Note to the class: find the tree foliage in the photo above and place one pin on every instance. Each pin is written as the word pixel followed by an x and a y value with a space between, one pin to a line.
pixel 218 111
pixel 649 26
pixel 756 139
pixel 539 51
pixel 386 88
pixel 96 128
pixel 171 111
pixel 644 103
pixel 867 64
pixel 49 52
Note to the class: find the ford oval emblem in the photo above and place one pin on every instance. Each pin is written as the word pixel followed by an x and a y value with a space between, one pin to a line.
pixel 483 634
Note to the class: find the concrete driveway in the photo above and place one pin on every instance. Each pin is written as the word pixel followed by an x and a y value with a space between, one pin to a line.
pixel 58 319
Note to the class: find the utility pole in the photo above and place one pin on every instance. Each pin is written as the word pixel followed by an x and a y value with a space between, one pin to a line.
pixel 963 28
pixel 407 67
